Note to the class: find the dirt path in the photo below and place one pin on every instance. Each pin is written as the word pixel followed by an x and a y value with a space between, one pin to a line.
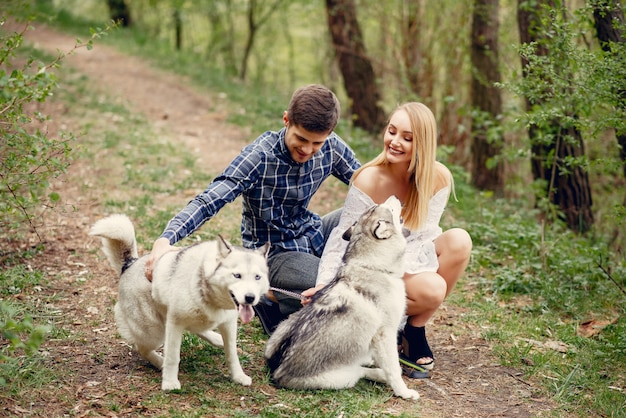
pixel 468 382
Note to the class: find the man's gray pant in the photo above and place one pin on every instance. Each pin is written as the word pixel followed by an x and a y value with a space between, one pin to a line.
pixel 297 271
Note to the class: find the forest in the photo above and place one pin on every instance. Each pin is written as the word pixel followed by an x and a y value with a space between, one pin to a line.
pixel 526 92
pixel 529 97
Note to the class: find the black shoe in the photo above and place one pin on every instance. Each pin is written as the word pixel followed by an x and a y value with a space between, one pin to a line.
pixel 414 346
pixel 269 314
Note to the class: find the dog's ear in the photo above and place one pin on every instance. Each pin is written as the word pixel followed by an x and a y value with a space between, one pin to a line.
pixel 383 229
pixel 264 250
pixel 348 234
pixel 224 247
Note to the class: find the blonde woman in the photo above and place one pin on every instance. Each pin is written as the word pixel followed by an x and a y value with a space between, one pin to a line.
pixel 434 260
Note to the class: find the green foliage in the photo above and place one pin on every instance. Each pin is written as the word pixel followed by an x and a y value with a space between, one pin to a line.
pixel 526 281
pixel 29 158
pixel 20 336
pixel 534 283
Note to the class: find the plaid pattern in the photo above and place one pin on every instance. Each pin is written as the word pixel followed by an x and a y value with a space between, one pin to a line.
pixel 276 192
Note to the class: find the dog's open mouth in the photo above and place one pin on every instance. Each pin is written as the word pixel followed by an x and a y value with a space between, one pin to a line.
pixel 246 313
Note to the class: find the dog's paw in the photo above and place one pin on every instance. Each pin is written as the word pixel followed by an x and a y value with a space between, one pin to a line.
pixel 242 379
pixel 408 394
pixel 170 385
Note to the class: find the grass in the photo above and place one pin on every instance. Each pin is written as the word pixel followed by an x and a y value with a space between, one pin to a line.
pixel 529 285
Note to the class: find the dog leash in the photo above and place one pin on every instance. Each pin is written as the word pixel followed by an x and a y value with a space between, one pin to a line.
pixel 289 293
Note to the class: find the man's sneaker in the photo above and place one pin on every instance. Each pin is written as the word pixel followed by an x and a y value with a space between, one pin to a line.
pixel 269 314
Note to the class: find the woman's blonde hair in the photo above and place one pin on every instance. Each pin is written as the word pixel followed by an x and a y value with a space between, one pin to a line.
pixel 422 166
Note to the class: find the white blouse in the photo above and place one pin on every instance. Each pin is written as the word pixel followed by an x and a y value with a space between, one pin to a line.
pixel 420 253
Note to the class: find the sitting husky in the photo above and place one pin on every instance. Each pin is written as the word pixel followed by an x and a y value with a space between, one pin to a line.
pixel 354 319
pixel 198 288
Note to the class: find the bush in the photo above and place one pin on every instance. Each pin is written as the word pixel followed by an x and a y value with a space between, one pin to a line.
pixel 29 159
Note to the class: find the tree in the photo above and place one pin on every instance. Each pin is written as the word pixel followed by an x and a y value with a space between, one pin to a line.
pixel 411 50
pixel 609 22
pixel 256 18
pixel 178 29
pixel 487 174
pixel 356 68
pixel 557 149
pixel 222 40
pixel 119 12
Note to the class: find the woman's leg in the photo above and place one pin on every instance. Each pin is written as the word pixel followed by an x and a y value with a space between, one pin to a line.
pixel 427 291
pixel 454 248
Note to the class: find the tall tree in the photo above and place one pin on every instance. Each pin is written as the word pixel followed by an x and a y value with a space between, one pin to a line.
pixel 609 22
pixel 411 50
pixel 258 13
pixel 178 29
pixel 356 68
pixel 118 9
pixel 221 44
pixel 556 142
pixel 486 98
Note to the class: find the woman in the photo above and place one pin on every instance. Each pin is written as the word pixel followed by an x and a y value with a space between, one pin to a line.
pixel 434 260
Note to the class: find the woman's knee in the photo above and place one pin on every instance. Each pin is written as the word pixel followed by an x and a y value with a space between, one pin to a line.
pixel 456 243
pixel 426 289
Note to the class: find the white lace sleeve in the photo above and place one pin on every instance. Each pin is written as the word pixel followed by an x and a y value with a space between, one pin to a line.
pixel 420 254
pixel 355 205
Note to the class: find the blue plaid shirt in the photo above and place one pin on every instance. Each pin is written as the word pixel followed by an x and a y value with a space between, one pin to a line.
pixel 276 191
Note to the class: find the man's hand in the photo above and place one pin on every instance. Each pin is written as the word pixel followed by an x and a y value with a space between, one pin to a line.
pixel 308 293
pixel 160 247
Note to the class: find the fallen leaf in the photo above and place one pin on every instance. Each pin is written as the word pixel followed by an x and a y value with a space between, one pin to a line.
pixel 593 327
pixel 559 346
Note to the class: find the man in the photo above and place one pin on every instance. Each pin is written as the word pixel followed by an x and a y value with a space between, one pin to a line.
pixel 276 176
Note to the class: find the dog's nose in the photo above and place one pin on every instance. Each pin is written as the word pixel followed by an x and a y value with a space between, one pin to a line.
pixel 250 298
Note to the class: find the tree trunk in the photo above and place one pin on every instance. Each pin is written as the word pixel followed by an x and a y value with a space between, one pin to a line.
pixel 252 28
pixel 568 186
pixel 486 98
pixel 258 14
pixel 358 74
pixel 119 12
pixel 221 42
pixel 411 50
pixel 178 30
pixel 609 21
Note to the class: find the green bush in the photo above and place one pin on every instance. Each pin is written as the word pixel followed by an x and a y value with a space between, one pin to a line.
pixel 20 336
pixel 28 157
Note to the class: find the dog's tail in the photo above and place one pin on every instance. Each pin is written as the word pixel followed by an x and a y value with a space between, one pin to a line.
pixel 118 240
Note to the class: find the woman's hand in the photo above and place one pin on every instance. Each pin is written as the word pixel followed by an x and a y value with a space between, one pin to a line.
pixel 308 293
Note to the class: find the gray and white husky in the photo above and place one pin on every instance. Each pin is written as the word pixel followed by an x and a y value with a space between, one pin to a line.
pixel 352 321
pixel 197 288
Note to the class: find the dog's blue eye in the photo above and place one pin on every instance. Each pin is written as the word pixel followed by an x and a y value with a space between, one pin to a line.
pixel 237 275
pixel 257 277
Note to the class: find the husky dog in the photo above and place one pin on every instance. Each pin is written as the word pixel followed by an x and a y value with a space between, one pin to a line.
pixel 197 289
pixel 354 319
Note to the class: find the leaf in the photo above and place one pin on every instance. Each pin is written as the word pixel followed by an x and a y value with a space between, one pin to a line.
pixel 559 346
pixel 593 327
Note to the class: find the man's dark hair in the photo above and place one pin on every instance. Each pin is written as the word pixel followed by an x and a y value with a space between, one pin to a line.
pixel 314 108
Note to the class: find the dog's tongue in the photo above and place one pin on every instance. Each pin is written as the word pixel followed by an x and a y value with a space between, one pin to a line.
pixel 246 313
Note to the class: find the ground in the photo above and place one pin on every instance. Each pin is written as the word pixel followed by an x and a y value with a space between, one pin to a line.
pixel 467 382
